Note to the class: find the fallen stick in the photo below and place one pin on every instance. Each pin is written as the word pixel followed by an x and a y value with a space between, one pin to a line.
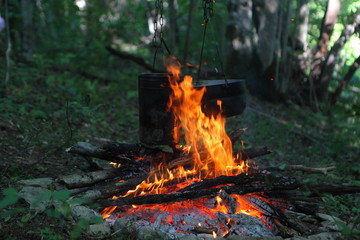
pixel 309 169
pixel 303 168
pixel 334 189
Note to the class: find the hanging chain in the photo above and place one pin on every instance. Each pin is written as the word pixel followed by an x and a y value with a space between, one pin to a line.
pixel 159 7
pixel 208 13
pixel 208 6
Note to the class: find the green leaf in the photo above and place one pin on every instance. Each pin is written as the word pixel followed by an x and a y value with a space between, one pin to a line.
pixel 62 195
pixel 11 197
pixel 44 196
pixel 97 220
pixel 282 166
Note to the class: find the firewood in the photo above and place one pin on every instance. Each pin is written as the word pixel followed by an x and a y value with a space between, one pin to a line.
pixel 245 154
pixel 85 179
pixel 234 136
pixel 123 153
pixel 334 189
pixel 254 152
pixel 177 196
pixel 110 189
pixel 221 180
pixel 229 201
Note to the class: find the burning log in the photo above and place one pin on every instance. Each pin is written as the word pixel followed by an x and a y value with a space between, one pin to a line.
pixel 254 152
pixel 280 183
pixel 240 179
pixel 110 189
pixel 244 154
pixel 234 136
pixel 123 153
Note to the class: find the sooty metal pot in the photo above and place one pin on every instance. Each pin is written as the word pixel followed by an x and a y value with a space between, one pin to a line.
pixel 157 124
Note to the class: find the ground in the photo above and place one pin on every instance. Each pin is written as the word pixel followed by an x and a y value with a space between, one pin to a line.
pixel 47 113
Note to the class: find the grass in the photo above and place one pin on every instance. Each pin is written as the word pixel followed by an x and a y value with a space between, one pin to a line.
pixel 47 111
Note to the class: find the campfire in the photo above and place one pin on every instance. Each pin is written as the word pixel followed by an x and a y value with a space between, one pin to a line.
pixel 201 191
pixel 202 188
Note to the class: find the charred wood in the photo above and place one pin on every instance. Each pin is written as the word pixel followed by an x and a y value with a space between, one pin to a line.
pixel 123 153
pixel 234 136
pixel 193 194
pixel 245 154
pixel 254 152
pixel 240 179
pixel 110 189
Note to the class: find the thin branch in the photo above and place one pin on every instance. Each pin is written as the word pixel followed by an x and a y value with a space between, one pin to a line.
pixel 8 50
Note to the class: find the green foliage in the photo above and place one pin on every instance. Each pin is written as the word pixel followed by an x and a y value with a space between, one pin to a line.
pixel 345 206
pixel 10 197
pixel 48 234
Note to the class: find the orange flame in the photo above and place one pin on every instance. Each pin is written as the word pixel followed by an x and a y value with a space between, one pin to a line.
pixel 205 138
pixel 211 147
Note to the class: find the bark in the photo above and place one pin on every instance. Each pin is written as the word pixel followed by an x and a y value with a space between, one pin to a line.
pixel 239 35
pixel 265 17
pixel 345 81
pixel 302 23
pixel 320 51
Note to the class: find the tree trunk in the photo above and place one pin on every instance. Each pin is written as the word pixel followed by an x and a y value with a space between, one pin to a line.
pixel 239 35
pixel 283 76
pixel 335 95
pixel 251 43
pixel 333 56
pixel 320 51
pixel 27 31
pixel 302 24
